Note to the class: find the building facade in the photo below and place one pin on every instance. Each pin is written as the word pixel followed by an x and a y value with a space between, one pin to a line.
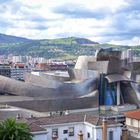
pixel 18 70
pixel 38 133
pixel 5 70
pixel 133 123
pixel 67 127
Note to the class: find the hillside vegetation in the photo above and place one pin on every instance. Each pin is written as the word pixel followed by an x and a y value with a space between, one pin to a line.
pixel 64 48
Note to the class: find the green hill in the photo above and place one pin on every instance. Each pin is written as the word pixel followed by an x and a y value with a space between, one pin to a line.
pixel 12 39
pixel 64 48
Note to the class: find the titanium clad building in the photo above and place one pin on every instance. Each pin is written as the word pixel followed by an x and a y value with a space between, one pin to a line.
pixel 102 80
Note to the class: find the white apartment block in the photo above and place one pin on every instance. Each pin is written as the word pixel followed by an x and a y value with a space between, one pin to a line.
pixel 68 127
pixel 37 132
pixel 18 71
pixel 133 123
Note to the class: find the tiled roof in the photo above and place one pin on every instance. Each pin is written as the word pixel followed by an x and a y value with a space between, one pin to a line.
pixel 95 120
pixel 133 114
pixel 32 126
pixel 35 128
pixel 20 65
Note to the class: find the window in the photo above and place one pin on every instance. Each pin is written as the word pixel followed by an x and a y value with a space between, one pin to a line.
pixel 88 135
pixel 65 131
pixel 55 132
pixel 110 135
pixel 131 121
pixel 71 131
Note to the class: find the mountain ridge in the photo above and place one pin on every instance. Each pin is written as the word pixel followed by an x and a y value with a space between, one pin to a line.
pixel 62 48
pixel 15 39
pixel 12 39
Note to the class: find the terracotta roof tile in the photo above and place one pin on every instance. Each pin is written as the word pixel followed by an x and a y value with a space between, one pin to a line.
pixel 32 126
pixel 133 114
pixel 35 128
pixel 95 120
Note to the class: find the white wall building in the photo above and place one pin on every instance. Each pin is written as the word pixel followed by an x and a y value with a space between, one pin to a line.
pixel 130 55
pixel 67 127
pixel 17 59
pixel 37 132
pixel 18 71
pixel 133 123
pixel 21 59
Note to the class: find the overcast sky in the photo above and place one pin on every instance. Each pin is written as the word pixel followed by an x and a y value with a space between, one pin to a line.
pixel 104 21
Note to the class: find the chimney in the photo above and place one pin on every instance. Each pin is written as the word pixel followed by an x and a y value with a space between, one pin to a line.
pixel 124 133
pixel 54 137
pixel 18 117
pixel 104 129
pixel 80 136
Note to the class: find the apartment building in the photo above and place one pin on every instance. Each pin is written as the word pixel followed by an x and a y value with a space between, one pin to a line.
pixel 133 122
pixel 67 127
pixel 18 70
pixel 51 66
pixel 5 70
pixel 37 132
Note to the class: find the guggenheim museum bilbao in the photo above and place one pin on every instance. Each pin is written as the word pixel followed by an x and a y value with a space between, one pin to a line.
pixel 104 79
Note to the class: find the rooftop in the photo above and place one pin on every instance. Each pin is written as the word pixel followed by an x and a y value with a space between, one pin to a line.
pixel 71 118
pixel 32 126
pixel 133 114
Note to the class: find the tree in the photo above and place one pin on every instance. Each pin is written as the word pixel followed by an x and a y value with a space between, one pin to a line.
pixel 12 130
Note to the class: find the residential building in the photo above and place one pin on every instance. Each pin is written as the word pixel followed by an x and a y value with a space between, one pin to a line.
pixel 67 127
pixel 51 66
pixel 18 70
pixel 38 132
pixel 130 55
pixel 133 122
pixel 5 70
pixel 3 59
pixel 17 59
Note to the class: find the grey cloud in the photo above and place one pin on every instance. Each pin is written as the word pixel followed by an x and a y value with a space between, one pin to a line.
pixel 79 11
pixel 125 22
pixel 10 6
pixel 4 24
pixel 23 13
pixel 131 6
pixel 38 27
pixel 16 7
pixel 5 1
pixel 70 34
pixel 123 35
pixel 32 17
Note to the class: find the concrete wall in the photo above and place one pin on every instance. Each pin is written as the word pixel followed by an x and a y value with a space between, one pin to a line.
pixel 135 122
pixel 66 96
pixel 128 121
pixel 40 136
pixel 117 132
pixel 82 62
pixel 95 132
pixel 85 128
